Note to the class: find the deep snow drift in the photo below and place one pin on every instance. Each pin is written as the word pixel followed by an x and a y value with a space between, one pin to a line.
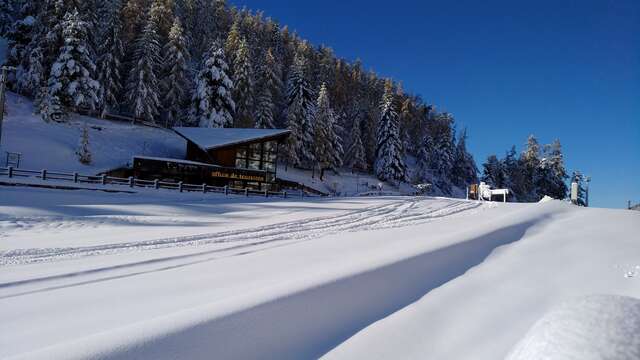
pixel 589 328
pixel 94 275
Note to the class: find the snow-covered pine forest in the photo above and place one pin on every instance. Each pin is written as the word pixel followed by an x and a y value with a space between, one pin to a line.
pixel 205 63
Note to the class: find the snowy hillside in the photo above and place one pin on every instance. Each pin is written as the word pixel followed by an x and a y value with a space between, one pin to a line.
pixel 115 276
pixel 113 144
pixel 53 145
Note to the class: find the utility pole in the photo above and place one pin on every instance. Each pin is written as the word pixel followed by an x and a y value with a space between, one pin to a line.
pixel 3 83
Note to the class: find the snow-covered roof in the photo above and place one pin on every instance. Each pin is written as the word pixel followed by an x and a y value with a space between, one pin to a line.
pixel 213 138
pixel 187 162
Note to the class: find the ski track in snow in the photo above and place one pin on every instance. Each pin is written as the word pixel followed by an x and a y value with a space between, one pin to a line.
pixel 397 214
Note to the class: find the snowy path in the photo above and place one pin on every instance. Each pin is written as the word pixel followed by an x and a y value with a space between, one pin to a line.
pixel 397 214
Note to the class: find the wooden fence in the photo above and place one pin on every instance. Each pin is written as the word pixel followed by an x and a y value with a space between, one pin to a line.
pixel 132 182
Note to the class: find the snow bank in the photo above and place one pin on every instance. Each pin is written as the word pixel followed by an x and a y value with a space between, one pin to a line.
pixel 52 146
pixel 485 312
pixel 546 198
pixel 590 328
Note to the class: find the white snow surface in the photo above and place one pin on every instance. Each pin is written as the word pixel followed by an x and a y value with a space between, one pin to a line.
pixel 121 276
pixel 53 145
pixel 589 328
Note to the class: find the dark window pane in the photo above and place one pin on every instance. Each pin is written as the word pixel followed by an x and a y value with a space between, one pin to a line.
pixel 241 163
pixel 269 166
pixel 254 165
pixel 270 146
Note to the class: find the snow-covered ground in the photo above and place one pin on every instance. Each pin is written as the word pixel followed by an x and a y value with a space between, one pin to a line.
pixel 95 275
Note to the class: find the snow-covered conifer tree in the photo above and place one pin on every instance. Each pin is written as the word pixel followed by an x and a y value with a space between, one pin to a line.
pixel 530 160
pixel 513 172
pixel 176 70
pixel 244 86
pixel 83 152
pixel 212 103
pixel 551 172
pixel 111 54
pixel 389 164
pixel 270 90
pixel 234 38
pixel 51 108
pixel 71 78
pixel 493 172
pixel 579 179
pixel 143 92
pixel 327 150
pixel 300 112
pixel 464 170
pixel 355 156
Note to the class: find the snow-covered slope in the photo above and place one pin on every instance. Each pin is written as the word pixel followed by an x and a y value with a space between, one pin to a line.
pixel 93 275
pixel 53 146
pixel 481 315
pixel 588 328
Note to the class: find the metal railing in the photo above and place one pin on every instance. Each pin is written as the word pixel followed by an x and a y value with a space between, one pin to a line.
pixel 132 182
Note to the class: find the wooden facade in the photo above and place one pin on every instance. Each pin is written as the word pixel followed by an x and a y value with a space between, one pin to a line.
pixel 247 160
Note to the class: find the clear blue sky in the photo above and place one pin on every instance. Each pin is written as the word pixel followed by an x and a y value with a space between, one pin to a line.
pixel 505 69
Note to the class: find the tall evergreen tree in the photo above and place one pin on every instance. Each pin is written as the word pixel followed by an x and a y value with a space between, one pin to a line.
pixel 143 92
pixel 270 92
pixel 441 156
pixel 244 86
pixel 327 152
pixel 389 165
pixel 493 172
pixel 300 112
pixel 530 160
pixel 355 156
pixel 111 55
pixel 212 103
pixel 513 173
pixel 464 170
pixel 234 38
pixel 552 174
pixel 176 71
pixel 71 79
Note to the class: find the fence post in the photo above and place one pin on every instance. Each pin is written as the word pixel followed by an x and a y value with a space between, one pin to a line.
pixel 204 188
pixel 10 171
pixel 131 181
pixel 75 177
pixel 156 184
pixel 266 193
pixel 44 174
pixel 226 189
pixel 180 186
pixel 246 191
pixel 103 179
pixel 284 194
pixel 301 194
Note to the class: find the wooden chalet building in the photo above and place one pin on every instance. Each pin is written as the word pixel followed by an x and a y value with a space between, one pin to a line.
pixel 221 156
